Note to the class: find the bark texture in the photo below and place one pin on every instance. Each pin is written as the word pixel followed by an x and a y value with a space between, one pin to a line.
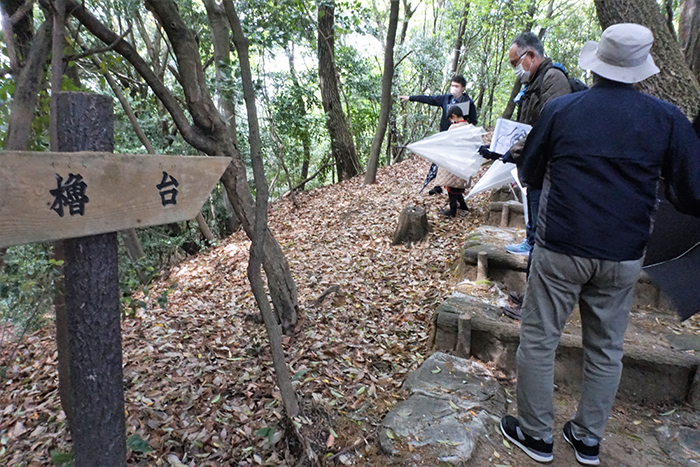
pixel 92 304
pixel 413 225
pixel 222 63
pixel 387 79
pixel 689 34
pixel 342 145
pixel 675 83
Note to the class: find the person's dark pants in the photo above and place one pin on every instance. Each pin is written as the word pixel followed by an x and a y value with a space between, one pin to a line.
pixel 533 207
pixel 456 200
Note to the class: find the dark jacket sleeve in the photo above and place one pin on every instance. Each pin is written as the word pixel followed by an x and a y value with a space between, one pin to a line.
pixel 681 168
pixel 532 164
pixel 472 117
pixel 438 101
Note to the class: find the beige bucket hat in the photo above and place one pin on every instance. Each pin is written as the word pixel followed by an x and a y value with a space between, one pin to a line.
pixel 622 54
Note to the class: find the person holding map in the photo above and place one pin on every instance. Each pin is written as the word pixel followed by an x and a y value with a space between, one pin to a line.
pixel 542 82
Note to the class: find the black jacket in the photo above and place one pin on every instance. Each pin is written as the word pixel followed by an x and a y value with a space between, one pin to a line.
pixel 598 156
pixel 446 101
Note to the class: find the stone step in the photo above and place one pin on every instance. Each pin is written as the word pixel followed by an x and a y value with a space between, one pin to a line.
pixel 505 214
pixel 509 270
pixel 660 365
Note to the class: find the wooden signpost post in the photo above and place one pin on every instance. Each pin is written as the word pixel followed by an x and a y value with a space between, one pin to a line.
pixel 84 197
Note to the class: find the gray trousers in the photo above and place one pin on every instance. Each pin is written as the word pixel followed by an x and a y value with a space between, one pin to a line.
pixel 604 291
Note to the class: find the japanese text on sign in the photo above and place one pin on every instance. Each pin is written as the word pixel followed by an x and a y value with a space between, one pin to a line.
pixel 70 194
pixel 168 196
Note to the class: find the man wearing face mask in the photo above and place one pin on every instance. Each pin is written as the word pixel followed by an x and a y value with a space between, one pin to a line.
pixel 542 82
pixel 457 95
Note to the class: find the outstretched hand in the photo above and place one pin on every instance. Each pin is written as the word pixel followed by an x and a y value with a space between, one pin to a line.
pixel 404 98
pixel 486 154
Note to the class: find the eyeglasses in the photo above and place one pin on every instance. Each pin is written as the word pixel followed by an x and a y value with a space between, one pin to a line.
pixel 520 60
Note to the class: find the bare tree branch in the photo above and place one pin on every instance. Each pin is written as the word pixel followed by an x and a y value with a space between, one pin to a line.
pixel 192 136
pixel 308 179
pixel 21 11
pixel 99 50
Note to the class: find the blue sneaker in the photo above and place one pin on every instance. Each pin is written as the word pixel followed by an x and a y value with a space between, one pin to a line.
pixel 522 248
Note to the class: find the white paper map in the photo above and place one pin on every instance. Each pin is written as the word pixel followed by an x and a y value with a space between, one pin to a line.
pixel 506 134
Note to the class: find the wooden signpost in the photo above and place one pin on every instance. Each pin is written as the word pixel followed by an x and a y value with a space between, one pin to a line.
pixel 51 196
pixel 85 197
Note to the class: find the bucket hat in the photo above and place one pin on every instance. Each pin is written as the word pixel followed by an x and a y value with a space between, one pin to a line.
pixel 622 54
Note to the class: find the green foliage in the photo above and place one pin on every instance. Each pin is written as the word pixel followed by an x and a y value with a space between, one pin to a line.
pixel 138 444
pixel 268 433
pixel 27 286
pixel 61 459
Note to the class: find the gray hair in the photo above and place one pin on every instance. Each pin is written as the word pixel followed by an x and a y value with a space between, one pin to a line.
pixel 528 41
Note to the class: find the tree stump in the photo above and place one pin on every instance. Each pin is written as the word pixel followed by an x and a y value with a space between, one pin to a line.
pixel 413 225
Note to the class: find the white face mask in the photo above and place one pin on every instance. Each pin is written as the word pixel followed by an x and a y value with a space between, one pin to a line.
pixel 456 90
pixel 520 73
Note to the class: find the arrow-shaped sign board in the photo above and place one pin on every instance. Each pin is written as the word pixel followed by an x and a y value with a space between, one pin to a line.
pixel 50 196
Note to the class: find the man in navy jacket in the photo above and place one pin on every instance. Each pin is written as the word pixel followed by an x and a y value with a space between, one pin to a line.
pixel 457 95
pixel 598 157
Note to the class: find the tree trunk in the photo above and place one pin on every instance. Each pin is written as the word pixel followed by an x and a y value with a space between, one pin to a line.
pixel 27 90
pixel 689 34
pixel 284 382
pixel 392 152
pixel 407 14
pixel 460 37
pixel 342 146
pixel 278 279
pixel 22 30
pixel 413 226
pixel 222 63
pixel 675 83
pixel 208 134
pixel 387 78
pixel 510 108
pixel 57 45
pixel 204 228
pixel 301 111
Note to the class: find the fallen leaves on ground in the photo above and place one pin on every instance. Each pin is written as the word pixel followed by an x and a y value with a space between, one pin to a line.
pixel 199 383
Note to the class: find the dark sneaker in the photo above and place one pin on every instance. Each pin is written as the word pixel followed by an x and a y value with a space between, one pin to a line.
pixel 448 213
pixel 513 312
pixel 586 455
pixel 516 297
pixel 535 448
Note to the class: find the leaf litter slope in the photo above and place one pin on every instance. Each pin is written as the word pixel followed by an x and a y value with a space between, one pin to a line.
pixel 199 383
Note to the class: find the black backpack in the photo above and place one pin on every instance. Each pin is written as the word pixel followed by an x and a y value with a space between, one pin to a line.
pixel 575 83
